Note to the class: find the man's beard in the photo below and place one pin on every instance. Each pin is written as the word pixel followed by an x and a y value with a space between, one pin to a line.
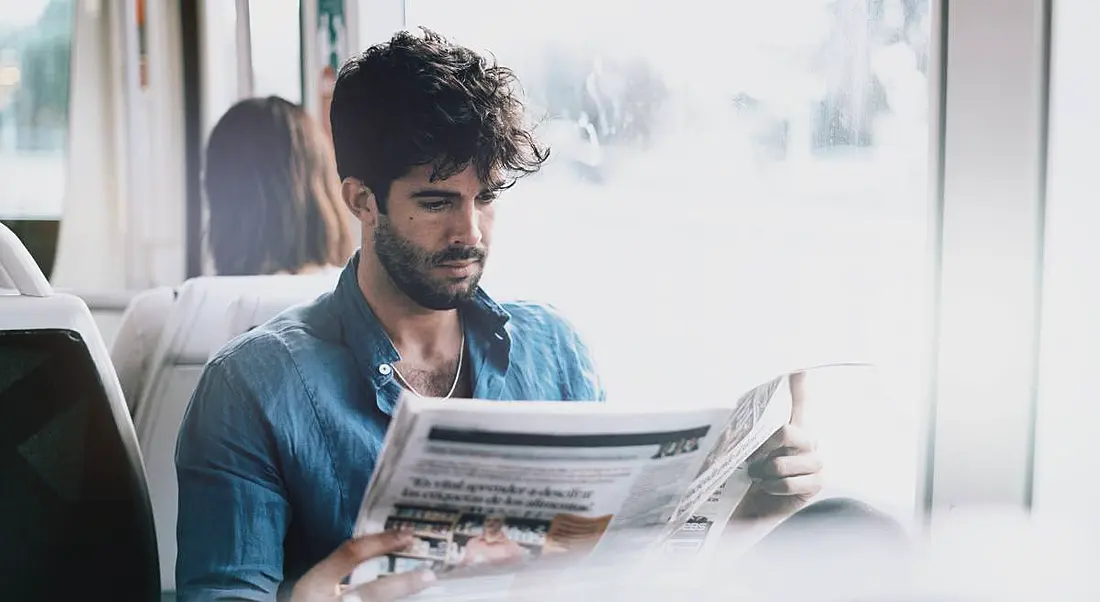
pixel 409 267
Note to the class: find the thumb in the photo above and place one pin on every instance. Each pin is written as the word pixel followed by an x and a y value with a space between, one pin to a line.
pixel 393 587
pixel 322 580
pixel 797 382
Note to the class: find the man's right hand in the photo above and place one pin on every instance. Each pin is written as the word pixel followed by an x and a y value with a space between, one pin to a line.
pixel 323 581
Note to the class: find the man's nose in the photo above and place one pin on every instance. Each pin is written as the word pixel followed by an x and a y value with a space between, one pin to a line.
pixel 467 228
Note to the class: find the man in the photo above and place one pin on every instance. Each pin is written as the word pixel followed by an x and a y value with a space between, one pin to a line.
pixel 286 424
pixel 493 545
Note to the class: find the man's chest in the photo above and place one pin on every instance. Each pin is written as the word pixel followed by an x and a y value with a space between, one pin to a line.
pixel 437 382
pixel 332 442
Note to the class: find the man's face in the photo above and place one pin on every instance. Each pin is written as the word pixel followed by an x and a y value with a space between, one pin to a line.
pixel 434 239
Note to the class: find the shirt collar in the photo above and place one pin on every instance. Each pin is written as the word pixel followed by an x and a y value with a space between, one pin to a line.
pixel 371 346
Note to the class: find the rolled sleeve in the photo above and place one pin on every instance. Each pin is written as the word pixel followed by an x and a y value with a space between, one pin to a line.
pixel 233 508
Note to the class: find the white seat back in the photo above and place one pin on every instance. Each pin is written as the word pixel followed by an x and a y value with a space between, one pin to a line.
pixel 139 331
pixel 197 327
pixel 107 309
pixel 249 311
pixel 73 484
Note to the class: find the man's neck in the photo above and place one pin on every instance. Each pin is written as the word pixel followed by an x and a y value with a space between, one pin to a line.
pixel 413 328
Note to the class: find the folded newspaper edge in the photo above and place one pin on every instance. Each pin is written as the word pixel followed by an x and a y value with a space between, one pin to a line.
pixel 488 488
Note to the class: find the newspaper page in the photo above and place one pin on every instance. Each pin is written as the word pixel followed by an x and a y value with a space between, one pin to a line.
pixel 490 484
pixel 770 406
pixel 723 479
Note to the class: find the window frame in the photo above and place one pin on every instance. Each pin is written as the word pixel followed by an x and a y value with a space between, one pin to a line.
pixel 991 128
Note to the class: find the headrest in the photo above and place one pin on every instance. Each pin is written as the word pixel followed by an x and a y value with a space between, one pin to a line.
pixel 18 269
pixel 6 283
pixel 198 326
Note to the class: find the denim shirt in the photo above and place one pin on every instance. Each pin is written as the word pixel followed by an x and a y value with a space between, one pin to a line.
pixel 286 424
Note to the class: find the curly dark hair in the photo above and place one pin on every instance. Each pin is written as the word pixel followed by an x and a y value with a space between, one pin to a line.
pixel 419 100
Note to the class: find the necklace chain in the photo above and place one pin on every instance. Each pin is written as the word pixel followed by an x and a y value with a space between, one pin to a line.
pixel 458 372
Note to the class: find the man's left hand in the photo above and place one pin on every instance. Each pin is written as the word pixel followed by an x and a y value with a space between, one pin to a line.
pixel 786 470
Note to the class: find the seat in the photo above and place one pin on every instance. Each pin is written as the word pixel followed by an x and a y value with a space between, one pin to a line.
pixel 75 515
pixel 198 325
pixel 139 332
pixel 249 311
pixel 107 309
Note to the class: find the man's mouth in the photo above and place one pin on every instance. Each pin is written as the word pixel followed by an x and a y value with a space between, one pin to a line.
pixel 459 269
pixel 458 264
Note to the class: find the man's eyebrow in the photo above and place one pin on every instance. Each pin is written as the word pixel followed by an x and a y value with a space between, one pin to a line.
pixel 435 193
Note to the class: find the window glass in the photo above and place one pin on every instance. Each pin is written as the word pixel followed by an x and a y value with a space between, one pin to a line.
pixel 734 189
pixel 35 39
pixel 275 28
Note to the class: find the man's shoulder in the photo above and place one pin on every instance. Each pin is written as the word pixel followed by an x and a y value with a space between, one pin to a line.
pixel 257 346
pixel 282 345
pixel 531 317
pixel 541 332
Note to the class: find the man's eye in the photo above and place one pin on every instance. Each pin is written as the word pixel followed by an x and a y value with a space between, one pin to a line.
pixel 435 206
pixel 486 199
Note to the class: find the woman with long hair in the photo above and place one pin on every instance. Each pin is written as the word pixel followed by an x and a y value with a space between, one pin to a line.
pixel 273 193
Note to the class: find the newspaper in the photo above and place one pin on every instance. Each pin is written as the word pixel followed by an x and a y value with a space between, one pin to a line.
pixel 723 479
pixel 488 488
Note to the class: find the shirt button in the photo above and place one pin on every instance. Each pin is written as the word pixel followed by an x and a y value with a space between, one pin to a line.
pixel 384 369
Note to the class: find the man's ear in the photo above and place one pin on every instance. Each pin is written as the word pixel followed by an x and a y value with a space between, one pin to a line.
pixel 360 200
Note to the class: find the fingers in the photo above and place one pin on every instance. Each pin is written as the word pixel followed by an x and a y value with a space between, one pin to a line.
pixel 805 486
pixel 322 580
pixel 786 465
pixel 394 587
pixel 783 467
pixel 354 552
pixel 789 438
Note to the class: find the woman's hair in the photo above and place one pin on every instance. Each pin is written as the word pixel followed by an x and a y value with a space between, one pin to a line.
pixel 272 191
pixel 420 100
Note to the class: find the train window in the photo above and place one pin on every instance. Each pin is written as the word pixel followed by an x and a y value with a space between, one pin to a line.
pixel 733 187
pixel 1068 415
pixel 35 40
pixel 276 64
